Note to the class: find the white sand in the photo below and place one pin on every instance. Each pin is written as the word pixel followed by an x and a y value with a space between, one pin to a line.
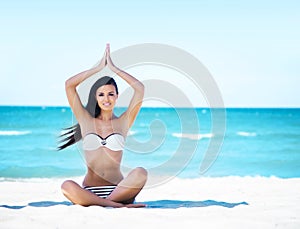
pixel 204 203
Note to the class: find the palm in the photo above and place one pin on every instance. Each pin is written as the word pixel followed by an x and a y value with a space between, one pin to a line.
pixel 108 59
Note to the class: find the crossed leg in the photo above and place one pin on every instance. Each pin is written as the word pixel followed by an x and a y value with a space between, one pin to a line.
pixel 129 187
pixel 124 193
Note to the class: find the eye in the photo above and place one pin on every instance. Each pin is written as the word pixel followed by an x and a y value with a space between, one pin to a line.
pixel 111 94
pixel 101 94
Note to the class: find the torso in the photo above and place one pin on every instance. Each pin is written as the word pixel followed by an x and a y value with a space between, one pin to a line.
pixel 103 164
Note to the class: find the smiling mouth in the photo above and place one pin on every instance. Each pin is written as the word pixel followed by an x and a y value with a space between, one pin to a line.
pixel 106 104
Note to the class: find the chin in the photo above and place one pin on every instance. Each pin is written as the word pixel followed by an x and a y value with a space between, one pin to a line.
pixel 110 108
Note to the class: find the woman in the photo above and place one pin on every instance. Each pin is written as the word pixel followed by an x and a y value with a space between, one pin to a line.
pixel 103 135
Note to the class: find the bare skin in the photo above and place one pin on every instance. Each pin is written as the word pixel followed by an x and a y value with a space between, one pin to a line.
pixel 103 164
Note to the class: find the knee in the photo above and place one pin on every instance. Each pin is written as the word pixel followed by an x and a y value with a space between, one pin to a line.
pixel 141 173
pixel 67 187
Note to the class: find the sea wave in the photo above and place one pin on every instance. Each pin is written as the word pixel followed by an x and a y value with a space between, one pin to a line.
pixel 131 132
pixel 192 136
pixel 13 132
pixel 246 134
pixel 79 178
pixel 38 171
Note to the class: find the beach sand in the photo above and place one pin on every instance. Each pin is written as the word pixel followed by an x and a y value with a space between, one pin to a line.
pixel 229 202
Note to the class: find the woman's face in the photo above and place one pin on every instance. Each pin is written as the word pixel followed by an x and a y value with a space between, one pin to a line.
pixel 106 96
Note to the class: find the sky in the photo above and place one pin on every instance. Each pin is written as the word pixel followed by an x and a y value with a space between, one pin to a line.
pixel 251 48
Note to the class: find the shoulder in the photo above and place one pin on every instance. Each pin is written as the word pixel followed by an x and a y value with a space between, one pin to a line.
pixel 87 124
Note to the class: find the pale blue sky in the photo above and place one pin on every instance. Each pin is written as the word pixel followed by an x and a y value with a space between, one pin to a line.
pixel 252 48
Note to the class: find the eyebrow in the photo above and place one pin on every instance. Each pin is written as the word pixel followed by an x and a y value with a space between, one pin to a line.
pixel 107 92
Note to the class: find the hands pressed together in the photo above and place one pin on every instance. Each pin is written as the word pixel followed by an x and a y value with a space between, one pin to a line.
pixel 106 60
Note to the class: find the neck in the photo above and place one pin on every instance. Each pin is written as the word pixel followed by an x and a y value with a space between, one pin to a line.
pixel 106 115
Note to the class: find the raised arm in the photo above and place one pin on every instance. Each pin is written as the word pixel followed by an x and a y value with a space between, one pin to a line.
pixel 71 84
pixel 138 87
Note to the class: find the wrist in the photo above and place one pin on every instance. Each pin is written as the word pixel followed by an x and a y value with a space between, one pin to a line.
pixel 98 68
pixel 115 69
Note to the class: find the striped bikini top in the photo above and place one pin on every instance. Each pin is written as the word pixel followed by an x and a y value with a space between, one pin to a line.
pixel 113 142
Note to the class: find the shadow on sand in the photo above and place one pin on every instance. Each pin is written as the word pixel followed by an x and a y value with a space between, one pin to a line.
pixel 189 204
pixel 38 204
pixel 163 204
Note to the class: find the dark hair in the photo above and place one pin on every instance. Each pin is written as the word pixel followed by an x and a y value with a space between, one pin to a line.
pixel 73 133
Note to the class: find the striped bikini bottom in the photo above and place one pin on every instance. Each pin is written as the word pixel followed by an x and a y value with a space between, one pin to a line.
pixel 101 191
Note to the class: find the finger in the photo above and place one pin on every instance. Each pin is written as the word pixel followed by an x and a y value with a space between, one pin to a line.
pixel 108 48
pixel 104 54
pixel 136 205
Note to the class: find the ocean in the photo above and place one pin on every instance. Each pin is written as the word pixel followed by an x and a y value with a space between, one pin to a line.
pixel 257 142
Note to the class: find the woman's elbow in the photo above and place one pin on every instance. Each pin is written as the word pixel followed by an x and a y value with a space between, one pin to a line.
pixel 68 83
pixel 141 87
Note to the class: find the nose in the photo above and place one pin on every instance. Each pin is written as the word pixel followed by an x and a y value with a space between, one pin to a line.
pixel 106 98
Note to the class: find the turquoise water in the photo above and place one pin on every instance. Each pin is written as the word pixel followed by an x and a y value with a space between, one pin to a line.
pixel 258 142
